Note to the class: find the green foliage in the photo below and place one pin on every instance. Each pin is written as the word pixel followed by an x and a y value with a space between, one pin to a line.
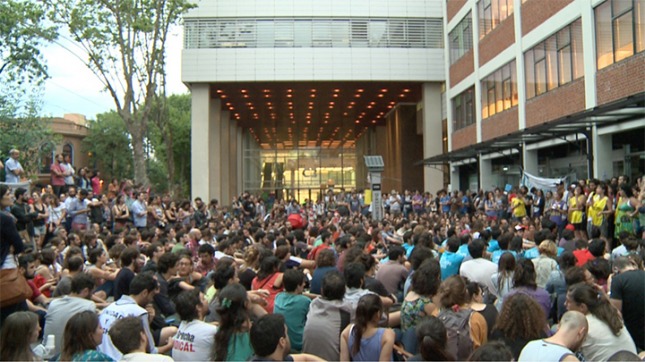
pixel 22 33
pixel 109 142
pixel 23 129
pixel 174 125
pixel 158 176
pixel 125 45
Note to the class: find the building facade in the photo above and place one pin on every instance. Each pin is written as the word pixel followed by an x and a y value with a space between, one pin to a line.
pixel 554 88
pixel 288 95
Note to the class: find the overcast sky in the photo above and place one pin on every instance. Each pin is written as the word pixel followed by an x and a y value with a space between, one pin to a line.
pixel 72 88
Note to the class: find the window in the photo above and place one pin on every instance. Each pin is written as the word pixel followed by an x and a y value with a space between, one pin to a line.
pixel 555 61
pixel 68 149
pixel 316 33
pixel 463 109
pixel 620 30
pixel 499 90
pixel 46 154
pixel 461 39
pixel 492 13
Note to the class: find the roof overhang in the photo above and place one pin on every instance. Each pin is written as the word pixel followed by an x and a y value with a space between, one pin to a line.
pixel 620 111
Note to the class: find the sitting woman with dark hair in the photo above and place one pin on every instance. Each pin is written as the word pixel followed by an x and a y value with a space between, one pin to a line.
pixel 488 311
pixel 520 321
pixel 83 333
pixel 418 304
pixel 270 279
pixel 232 341
pixel 365 340
pixel 524 282
pixel 432 338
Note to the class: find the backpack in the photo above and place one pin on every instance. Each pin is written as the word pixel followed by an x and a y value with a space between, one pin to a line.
pixel 457 324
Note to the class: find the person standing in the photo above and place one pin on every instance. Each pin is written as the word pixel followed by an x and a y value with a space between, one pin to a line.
pixel 58 175
pixel 78 210
pixel 14 169
pixel 628 296
pixel 24 214
pixel 139 210
pixel 69 172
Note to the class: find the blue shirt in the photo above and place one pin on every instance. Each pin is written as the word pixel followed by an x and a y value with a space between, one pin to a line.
pixel 531 253
pixel 492 245
pixel 463 251
pixel 445 208
pixel 75 206
pixel 450 263
pixel 137 209
pixel 497 254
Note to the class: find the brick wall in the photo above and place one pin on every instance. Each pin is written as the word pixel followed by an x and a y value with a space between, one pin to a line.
pixel 500 124
pixel 464 137
pixel 557 103
pixel 535 12
pixel 497 40
pixel 453 6
pixel 461 69
pixel 620 80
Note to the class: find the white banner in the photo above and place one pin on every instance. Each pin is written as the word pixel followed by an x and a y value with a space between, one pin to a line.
pixel 18 185
pixel 543 183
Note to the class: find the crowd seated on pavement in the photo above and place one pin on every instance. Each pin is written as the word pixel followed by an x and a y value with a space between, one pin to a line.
pixel 122 274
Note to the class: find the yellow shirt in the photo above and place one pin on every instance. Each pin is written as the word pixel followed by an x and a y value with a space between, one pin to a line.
pixel 519 208
pixel 597 207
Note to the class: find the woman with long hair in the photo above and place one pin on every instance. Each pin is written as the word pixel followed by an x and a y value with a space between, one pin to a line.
pixel 365 340
pixel 606 333
pixel 432 339
pixel 557 285
pixel 40 229
pixel 524 282
pixel 248 270
pixel 577 204
pixel 503 280
pixel 232 342
pixel 545 263
pixel 270 279
pixel 488 311
pixel 19 331
pixel 626 204
pixel 520 321
pixel 83 333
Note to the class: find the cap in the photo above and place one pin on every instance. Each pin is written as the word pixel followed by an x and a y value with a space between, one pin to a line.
pixel 519 227
pixel 570 227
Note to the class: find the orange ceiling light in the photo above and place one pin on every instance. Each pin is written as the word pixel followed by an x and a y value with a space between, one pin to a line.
pixel 360 90
pixel 406 90
pixel 384 90
pixel 219 91
pixel 243 91
pixel 380 96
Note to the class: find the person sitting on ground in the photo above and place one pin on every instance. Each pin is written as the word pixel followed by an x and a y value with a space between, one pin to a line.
pixel 524 282
pixel 453 297
pixel 450 261
pixel 232 342
pixel 364 340
pixel 83 333
pixel 476 297
pixel 129 267
pixel 521 320
pixel 270 279
pixel 417 304
pixel 432 338
pixel 194 339
pixel 545 263
pixel 607 333
pixel 328 316
pixel 129 337
pixel 270 341
pixel 571 333
pixel 19 331
pixel 492 351
pixel 293 306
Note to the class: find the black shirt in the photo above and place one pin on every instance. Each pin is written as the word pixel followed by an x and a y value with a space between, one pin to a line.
pixel 629 287
pixel 122 283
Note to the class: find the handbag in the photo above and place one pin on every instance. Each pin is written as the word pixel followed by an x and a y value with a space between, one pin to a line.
pixel 13 287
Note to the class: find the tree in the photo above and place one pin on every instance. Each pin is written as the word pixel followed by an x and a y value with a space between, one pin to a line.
pixel 23 129
pixel 22 32
pixel 125 42
pixel 109 142
pixel 170 137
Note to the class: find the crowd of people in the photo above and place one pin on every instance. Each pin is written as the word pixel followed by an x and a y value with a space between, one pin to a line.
pixel 123 274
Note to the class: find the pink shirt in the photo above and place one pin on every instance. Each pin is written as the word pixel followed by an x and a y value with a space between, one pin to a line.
pixel 57 180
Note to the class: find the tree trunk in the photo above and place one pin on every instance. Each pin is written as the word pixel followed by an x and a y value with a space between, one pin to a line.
pixel 139 156
pixel 170 163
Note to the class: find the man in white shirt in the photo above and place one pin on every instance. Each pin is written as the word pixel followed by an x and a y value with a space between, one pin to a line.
pixel 195 339
pixel 479 269
pixel 129 337
pixel 13 167
pixel 143 288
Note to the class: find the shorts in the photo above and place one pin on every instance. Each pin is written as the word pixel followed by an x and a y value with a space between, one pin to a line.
pixel 579 227
pixel 40 230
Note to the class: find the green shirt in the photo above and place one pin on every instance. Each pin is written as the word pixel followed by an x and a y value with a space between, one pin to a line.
pixel 178 247
pixel 294 308
pixel 239 347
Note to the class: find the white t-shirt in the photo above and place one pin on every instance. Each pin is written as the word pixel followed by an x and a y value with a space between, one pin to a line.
pixel 124 307
pixel 140 356
pixel 479 270
pixel 601 343
pixel 194 341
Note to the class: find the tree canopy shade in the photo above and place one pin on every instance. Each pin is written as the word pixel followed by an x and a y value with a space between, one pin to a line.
pixel 125 43
pixel 22 32
pixel 108 141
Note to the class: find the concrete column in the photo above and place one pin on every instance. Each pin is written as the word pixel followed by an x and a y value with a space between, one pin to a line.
pixel 205 139
pixel 486 174
pixel 240 159
pixel 454 178
pixel 431 128
pixel 589 51
pixel 602 151
pixel 530 161
pixel 232 159
pixel 225 155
